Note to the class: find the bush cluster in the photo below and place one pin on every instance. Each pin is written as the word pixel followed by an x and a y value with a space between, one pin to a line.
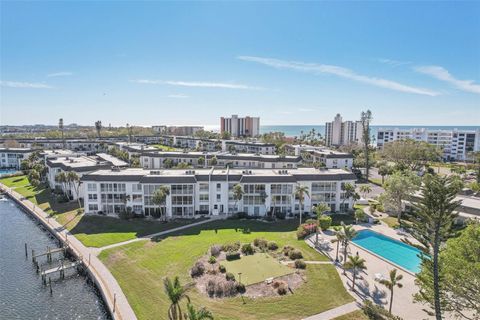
pixel 295 254
pixel 300 264
pixel 305 229
pixel 324 222
pixel 247 249
pixel 286 250
pixel 280 215
pixel 222 268
pixel 212 260
pixel 272 245
pixel 232 255
pixel 221 288
pixel 197 270
pixel 215 250
pixel 281 287
pixel 260 243
pixel 230 276
pixel 241 288
pixel 234 246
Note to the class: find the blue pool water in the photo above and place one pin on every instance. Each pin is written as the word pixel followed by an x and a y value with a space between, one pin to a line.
pixel 7 171
pixel 392 250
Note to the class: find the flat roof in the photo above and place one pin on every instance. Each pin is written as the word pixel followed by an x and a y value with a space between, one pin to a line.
pixel 221 156
pixel 85 163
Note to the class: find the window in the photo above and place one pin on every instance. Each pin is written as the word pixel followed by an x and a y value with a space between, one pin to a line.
pixel 137 188
pixel 203 187
pixel 92 207
pixel 218 197
pixel 204 197
pixel 91 187
pixel 92 196
pixel 219 187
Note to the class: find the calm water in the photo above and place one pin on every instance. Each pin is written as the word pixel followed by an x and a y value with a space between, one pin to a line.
pixel 22 295
pixel 395 251
pixel 7 171
pixel 292 131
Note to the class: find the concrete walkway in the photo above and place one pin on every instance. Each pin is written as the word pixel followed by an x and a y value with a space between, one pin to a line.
pixel 153 235
pixel 335 312
pixel 112 294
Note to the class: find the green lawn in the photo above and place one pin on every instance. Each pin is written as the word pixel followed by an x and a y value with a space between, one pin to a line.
pixel 92 231
pixel 377 181
pixel 256 268
pixel 347 218
pixel 355 315
pixel 140 266
pixel 392 222
pixel 165 148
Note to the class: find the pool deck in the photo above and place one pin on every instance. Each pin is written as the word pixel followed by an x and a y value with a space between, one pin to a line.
pixel 366 286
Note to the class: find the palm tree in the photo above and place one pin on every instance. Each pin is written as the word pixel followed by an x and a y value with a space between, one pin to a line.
pixel 320 209
pixel 74 181
pixel 237 194
pixel 348 233
pixel 98 127
pixel 160 196
pixel 60 126
pixel 366 118
pixel 392 283
pixel 61 178
pixel 349 192
pixel 365 189
pixel 383 171
pixel 300 192
pixel 263 199
pixel 175 293
pixel 200 314
pixel 339 238
pixel 355 263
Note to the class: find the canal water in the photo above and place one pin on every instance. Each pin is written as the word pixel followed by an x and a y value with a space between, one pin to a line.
pixel 22 294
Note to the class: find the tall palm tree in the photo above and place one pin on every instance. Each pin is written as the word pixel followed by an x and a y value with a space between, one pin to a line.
pixel 61 178
pixel 159 198
pixel 263 199
pixel 98 127
pixel 237 194
pixel 348 233
pixel 200 314
pixel 300 192
pixel 366 118
pixel 320 209
pixel 60 126
pixel 349 192
pixel 74 181
pixel 339 238
pixel 391 283
pixel 365 189
pixel 355 263
pixel 175 293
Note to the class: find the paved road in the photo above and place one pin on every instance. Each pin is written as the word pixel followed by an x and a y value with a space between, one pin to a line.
pixel 109 287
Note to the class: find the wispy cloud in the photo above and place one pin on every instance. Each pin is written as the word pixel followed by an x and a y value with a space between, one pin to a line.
pixel 18 84
pixel 177 96
pixel 199 84
pixel 394 63
pixel 285 112
pixel 342 72
pixel 59 74
pixel 442 74
pixel 305 110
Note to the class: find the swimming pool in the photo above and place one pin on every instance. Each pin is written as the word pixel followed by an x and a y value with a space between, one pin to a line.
pixel 7 171
pixel 390 249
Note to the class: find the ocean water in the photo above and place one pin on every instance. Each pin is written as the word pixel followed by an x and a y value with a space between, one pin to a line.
pixel 295 130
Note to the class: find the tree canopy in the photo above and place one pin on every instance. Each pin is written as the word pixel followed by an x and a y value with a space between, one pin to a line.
pixel 410 154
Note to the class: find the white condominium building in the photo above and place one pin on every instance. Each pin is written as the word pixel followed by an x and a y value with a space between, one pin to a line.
pixel 210 191
pixel 331 159
pixel 163 159
pixel 456 144
pixel 240 127
pixel 11 158
pixel 339 132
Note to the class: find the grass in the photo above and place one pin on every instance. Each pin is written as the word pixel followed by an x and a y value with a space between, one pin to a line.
pixel 256 268
pixel 392 222
pixel 355 315
pixel 377 181
pixel 140 266
pixel 347 218
pixel 92 231
pixel 165 148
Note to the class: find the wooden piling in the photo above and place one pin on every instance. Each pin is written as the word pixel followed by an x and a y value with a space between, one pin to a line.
pixel 33 255
pixel 26 252
pixel 50 285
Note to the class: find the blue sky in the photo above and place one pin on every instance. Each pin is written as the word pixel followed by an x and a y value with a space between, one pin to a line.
pixel 190 63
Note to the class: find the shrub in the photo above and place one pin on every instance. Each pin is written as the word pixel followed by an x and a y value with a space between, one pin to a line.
pixel 197 270
pixel 242 215
pixel 310 221
pixel 324 222
pixel 221 288
pixel 272 245
pixel 295 254
pixel 260 243
pixel 305 229
pixel 247 249
pixel 241 287
pixel 281 287
pixel 126 214
pixel 232 255
pixel 300 264
pixel 222 268
pixel 246 231
pixel 286 250
pixel 276 283
pixel 234 246
pixel 211 287
pixel 230 276
pixel 376 312
pixel 215 250
pixel 280 215
pixel 212 260
pixel 360 215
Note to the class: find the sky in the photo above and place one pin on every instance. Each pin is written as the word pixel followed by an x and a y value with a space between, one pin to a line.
pixel 148 63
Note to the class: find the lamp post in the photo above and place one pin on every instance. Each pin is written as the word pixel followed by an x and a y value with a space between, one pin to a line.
pixel 240 277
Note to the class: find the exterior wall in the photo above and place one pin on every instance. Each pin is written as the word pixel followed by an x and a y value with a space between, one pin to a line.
pixel 211 197
pixel 12 159
pixel 338 132
pixel 239 127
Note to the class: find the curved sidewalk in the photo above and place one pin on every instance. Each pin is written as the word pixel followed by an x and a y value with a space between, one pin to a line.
pixel 109 288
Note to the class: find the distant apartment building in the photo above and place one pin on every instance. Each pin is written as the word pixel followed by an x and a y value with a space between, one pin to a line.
pixel 210 191
pixel 12 158
pixel 80 164
pixel 341 133
pixel 456 144
pixel 177 130
pixel 240 126
pixel 331 159
pixel 163 159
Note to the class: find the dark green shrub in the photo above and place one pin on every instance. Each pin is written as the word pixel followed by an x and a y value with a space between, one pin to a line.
pixel 376 312
pixel 324 222
pixel 280 215
pixel 260 243
pixel 300 264
pixel 286 250
pixel 222 268
pixel 272 245
pixel 229 276
pixel 232 255
pixel 295 254
pixel 247 249
pixel 212 260
pixel 241 288
pixel 246 231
